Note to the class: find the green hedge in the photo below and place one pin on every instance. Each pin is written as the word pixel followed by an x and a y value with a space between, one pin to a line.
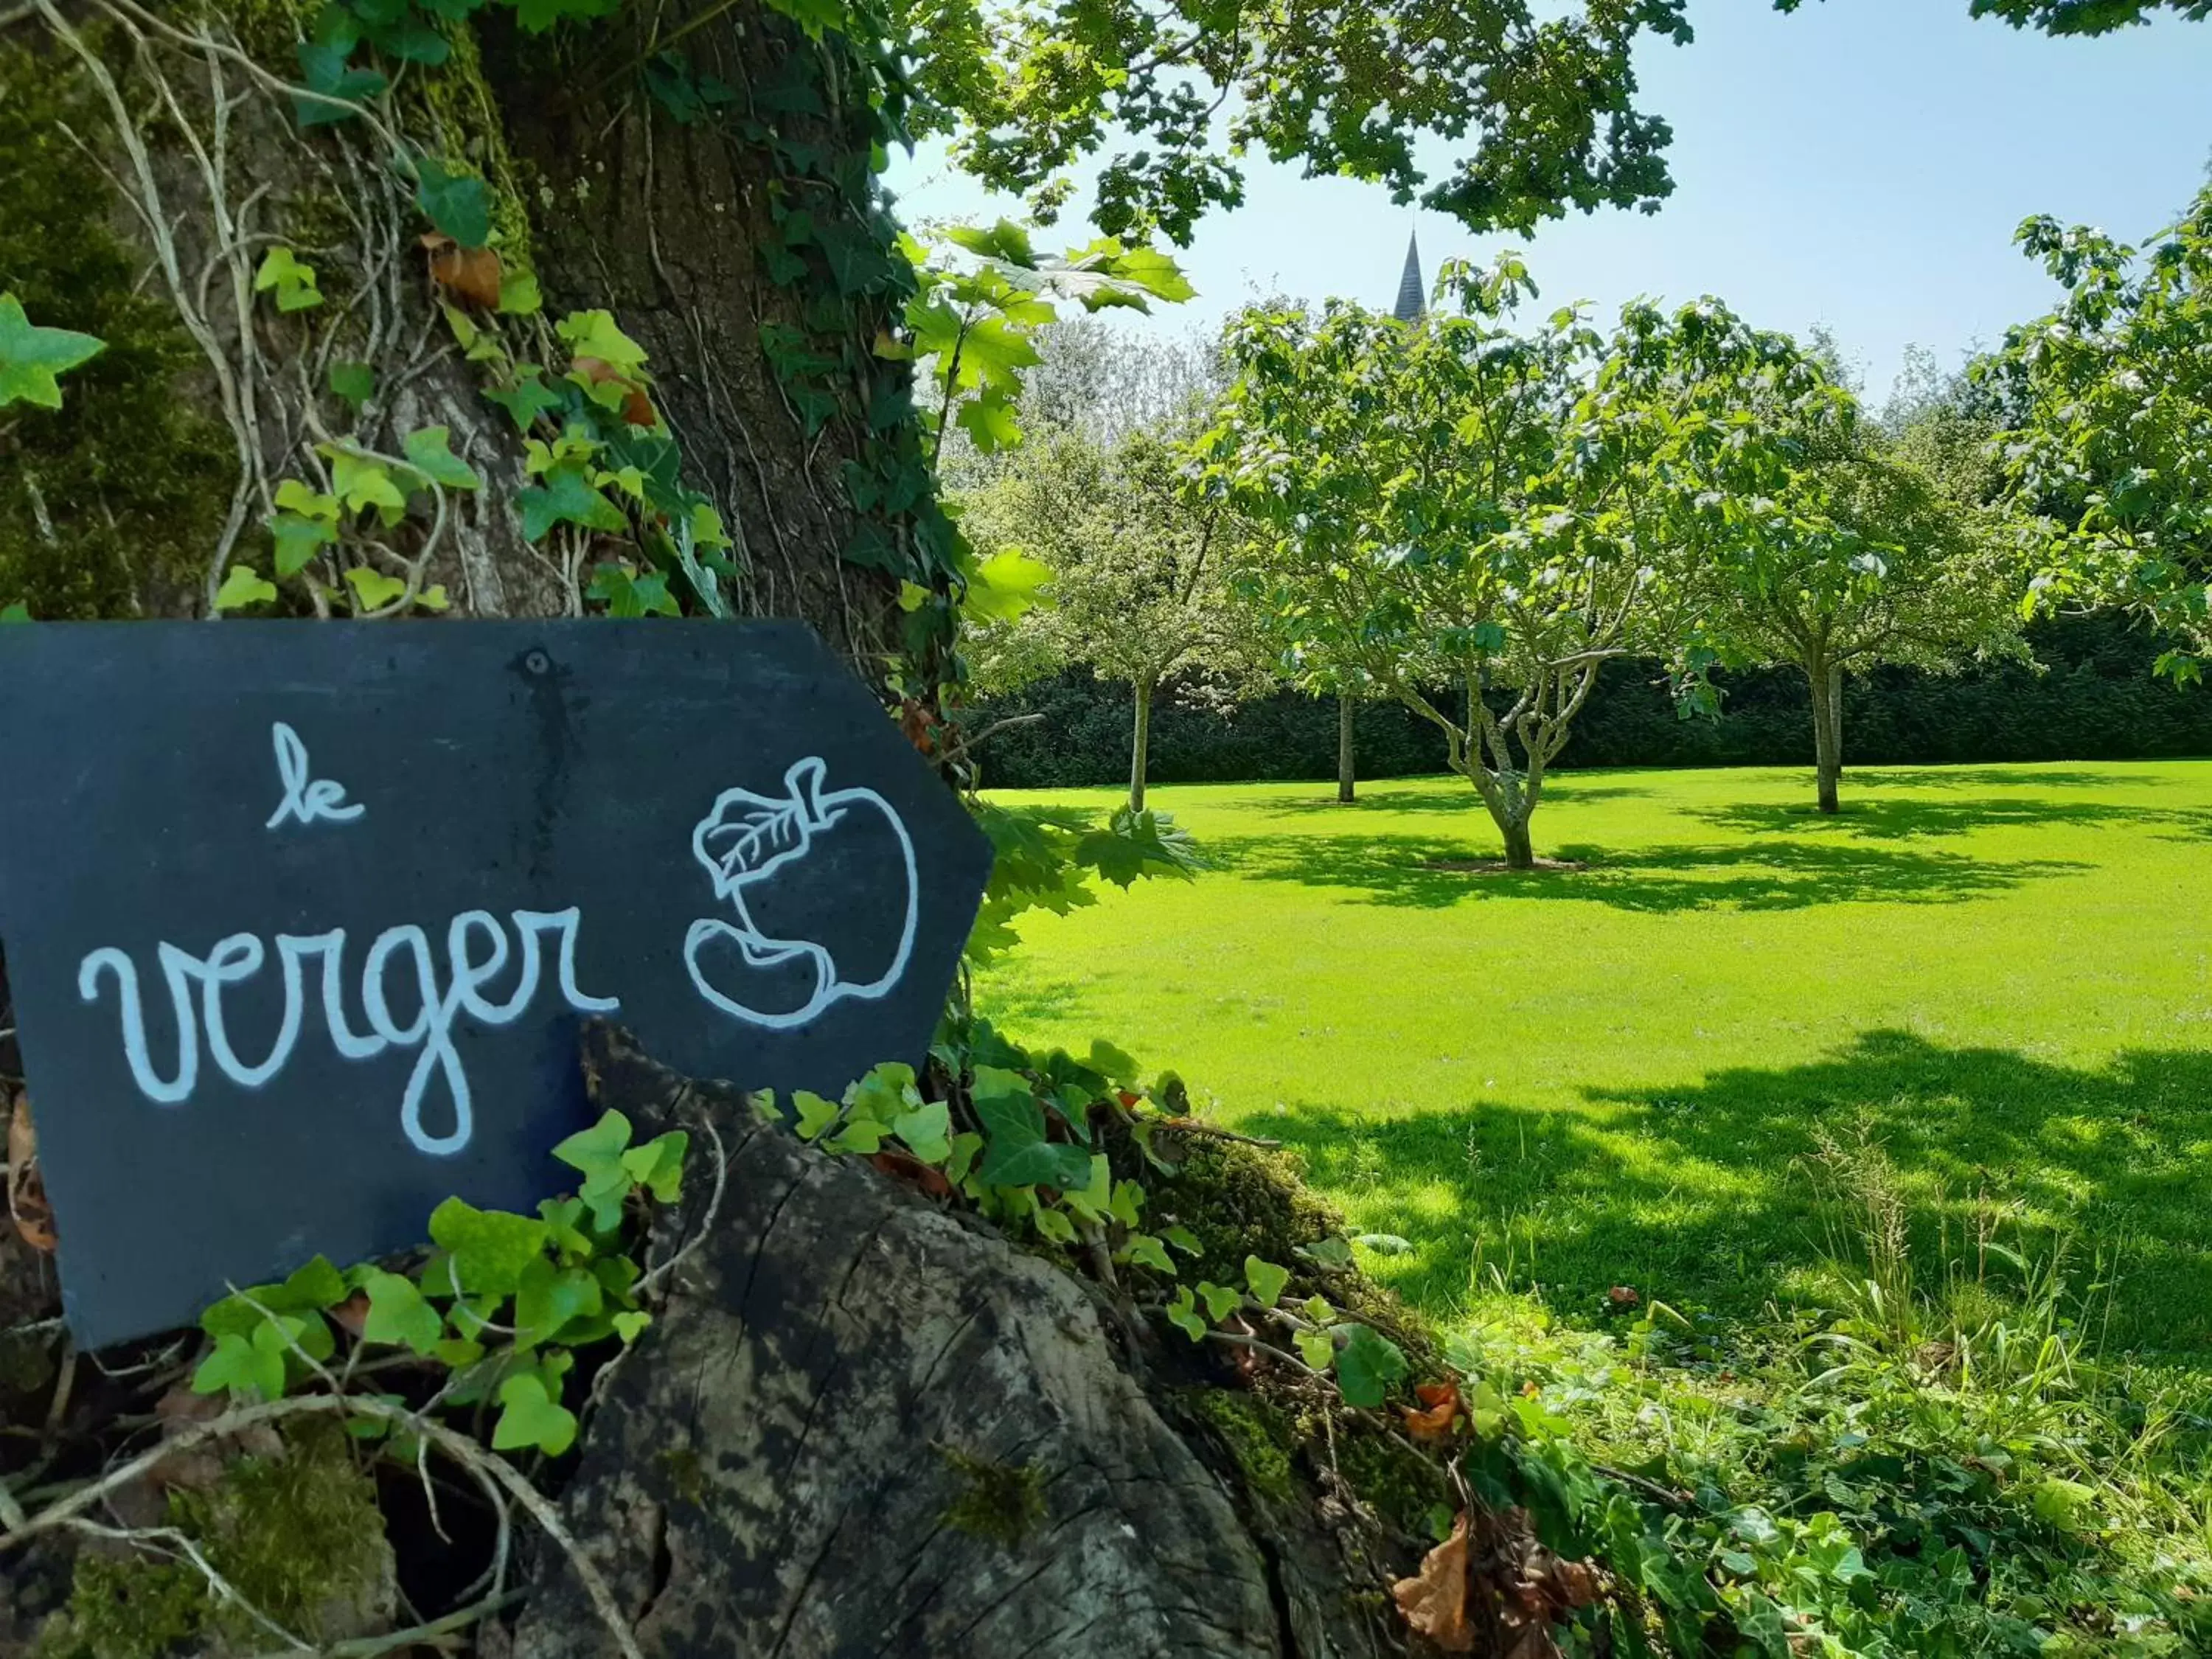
pixel 2095 699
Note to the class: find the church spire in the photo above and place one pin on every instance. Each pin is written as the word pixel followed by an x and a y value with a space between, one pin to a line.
pixel 1413 293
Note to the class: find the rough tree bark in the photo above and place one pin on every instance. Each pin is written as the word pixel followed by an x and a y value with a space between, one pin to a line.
pixel 861 1423
pixel 1346 770
pixel 858 1425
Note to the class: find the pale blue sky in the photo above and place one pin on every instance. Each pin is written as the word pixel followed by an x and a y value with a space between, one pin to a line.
pixel 1862 164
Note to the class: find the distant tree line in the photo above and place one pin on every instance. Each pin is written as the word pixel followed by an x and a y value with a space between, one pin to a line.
pixel 2097 698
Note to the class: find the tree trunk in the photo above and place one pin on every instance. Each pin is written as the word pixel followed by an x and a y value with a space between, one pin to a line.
pixel 1520 854
pixel 1140 746
pixel 747 253
pixel 1826 682
pixel 860 1425
pixel 1347 773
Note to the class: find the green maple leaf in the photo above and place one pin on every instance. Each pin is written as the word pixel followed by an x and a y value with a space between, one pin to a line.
pixel 31 356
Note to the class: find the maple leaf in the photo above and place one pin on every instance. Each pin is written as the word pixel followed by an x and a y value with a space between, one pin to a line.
pixel 1434 1600
pixel 31 356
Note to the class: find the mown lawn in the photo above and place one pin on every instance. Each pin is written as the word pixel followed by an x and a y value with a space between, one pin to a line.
pixel 1616 1076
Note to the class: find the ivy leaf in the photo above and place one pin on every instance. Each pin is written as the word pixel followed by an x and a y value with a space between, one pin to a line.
pixel 1267 1280
pixel 31 356
pixel 519 295
pixel 1316 1348
pixel 658 1166
pixel 315 1286
pixel 884 1092
pixel 355 382
pixel 567 497
pixel 1128 1205
pixel 597 1154
pixel 430 451
pixel 1017 1153
pixel 816 1115
pixel 1182 1314
pixel 1111 1062
pixel 1184 1240
pixel 863 1135
pixel 529 1417
pixel 1054 1225
pixel 1366 1366
pixel 373 589
pixel 627 595
pixel 1144 1247
pixel 457 202
pixel 593 334
pixel 965 1146
pixel 292 278
pixel 398 1313
pixel 247 1365
pixel 537 17
pixel 630 1325
pixel 244 586
pixel 927 1130
pixel 1220 1300
pixel 526 400
pixel 362 483
pixel 298 541
pixel 488 1248
pixel 548 1297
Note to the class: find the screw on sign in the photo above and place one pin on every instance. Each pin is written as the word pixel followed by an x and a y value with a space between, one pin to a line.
pixel 301 922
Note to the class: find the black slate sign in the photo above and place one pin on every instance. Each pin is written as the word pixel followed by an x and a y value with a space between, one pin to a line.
pixel 300 920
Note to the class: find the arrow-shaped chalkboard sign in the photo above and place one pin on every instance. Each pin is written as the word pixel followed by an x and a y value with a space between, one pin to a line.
pixel 300 920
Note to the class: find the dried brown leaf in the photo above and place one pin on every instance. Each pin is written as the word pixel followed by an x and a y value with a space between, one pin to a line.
pixel 1434 1600
pixel 471 275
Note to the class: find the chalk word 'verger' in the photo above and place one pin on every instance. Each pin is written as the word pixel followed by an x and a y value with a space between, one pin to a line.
pixel 197 984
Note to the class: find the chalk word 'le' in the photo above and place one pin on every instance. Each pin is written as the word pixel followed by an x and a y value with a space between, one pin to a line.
pixel 197 984
pixel 306 798
pixel 747 838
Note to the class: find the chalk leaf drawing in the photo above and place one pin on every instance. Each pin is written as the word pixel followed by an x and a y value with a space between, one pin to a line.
pixel 306 797
pixel 745 839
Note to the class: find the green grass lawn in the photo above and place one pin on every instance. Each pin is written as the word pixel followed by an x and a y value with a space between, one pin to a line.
pixel 1574 1080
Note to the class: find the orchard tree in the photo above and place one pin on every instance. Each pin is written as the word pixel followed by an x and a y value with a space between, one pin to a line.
pixel 1451 503
pixel 1132 563
pixel 1809 541
pixel 2110 438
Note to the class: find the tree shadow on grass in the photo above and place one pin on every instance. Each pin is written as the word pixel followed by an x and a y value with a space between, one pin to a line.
pixel 1984 777
pixel 1895 819
pixel 1704 1196
pixel 1767 875
pixel 1382 797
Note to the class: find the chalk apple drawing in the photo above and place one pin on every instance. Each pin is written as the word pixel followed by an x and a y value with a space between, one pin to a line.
pixel 748 840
